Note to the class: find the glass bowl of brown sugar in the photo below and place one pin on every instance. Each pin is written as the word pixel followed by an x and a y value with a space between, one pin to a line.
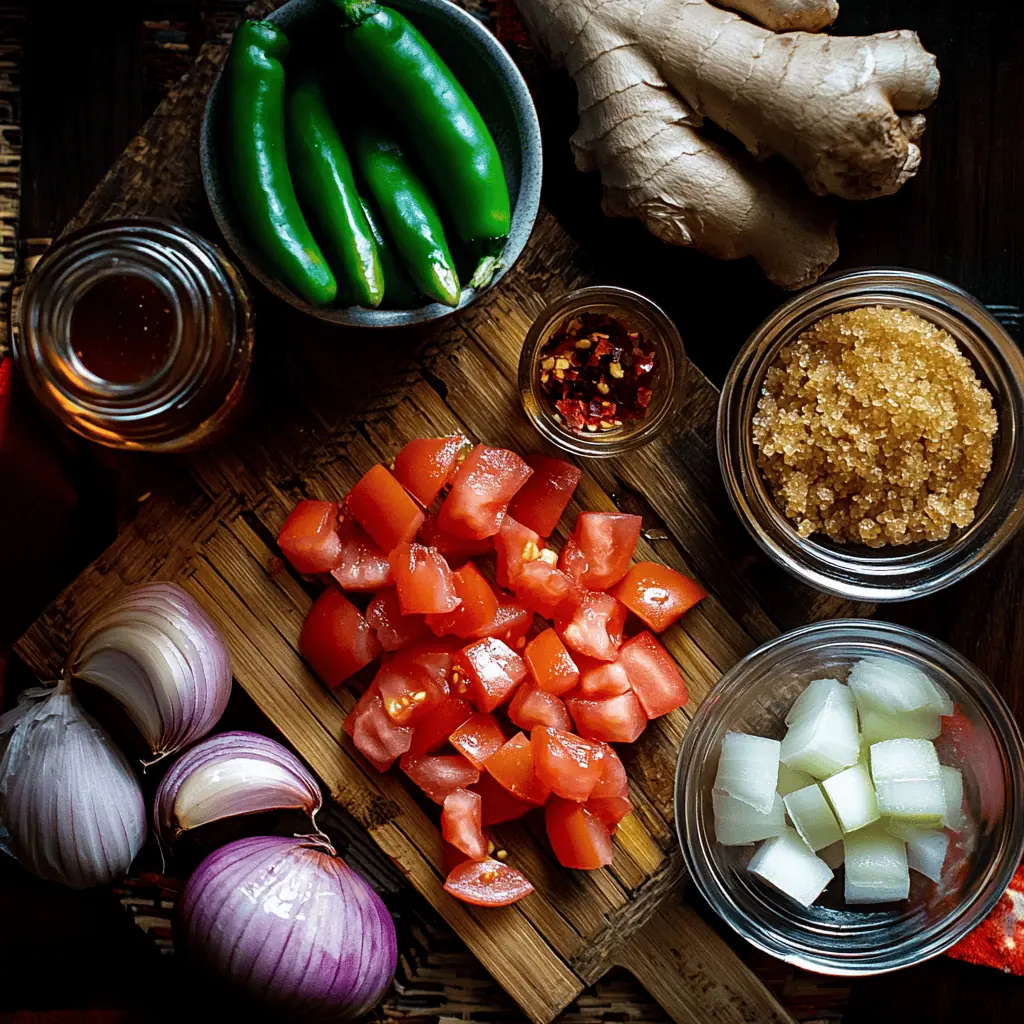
pixel 869 435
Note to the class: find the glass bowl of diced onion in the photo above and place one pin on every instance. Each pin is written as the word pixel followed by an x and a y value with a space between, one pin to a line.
pixel 850 797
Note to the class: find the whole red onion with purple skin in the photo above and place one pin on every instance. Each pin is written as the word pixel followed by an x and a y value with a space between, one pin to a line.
pixel 287 922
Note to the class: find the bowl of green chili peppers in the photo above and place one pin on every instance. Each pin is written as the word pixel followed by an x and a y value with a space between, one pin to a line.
pixel 372 165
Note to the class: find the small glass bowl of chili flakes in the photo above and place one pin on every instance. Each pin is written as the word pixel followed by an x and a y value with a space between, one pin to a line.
pixel 602 371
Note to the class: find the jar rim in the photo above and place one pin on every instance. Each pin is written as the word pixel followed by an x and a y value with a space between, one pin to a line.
pixel 896 573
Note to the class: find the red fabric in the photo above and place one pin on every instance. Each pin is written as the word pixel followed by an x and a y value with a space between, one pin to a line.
pixel 6 371
pixel 510 27
pixel 999 941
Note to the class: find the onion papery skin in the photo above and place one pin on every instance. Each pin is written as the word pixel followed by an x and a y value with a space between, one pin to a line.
pixel 71 808
pixel 286 784
pixel 288 923
pixel 155 650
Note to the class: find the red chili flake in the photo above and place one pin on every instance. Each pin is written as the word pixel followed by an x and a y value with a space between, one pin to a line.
pixel 590 370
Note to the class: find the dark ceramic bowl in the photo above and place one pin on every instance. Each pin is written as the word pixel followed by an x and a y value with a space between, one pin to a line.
pixel 493 82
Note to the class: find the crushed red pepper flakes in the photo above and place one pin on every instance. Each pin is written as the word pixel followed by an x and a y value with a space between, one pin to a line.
pixel 596 373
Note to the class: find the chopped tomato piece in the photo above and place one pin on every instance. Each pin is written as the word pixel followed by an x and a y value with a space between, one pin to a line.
pixel 394 630
pixel 613 720
pixel 540 502
pixel 383 508
pixel 451 857
pixel 610 799
pixel 335 639
pixel 493 671
pixel 477 738
pixel 423 580
pixel 547 590
pixel 572 561
pixel 595 628
pixel 456 550
pixel 433 730
pixel 499 804
pixel 413 682
pixel 550 663
pixel 516 545
pixel 309 538
pixel 531 708
pixel 510 624
pixel 481 491
pixel 578 838
pixel 609 809
pixel 374 734
pixel 656 594
pixel 477 608
pixel 567 764
pixel 487 883
pixel 440 774
pixel 653 674
pixel 362 565
pixel 462 825
pixel 512 766
pixel 600 679
pixel 606 541
pixel 423 466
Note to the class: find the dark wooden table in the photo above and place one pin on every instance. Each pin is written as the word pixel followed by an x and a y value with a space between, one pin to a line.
pixel 85 89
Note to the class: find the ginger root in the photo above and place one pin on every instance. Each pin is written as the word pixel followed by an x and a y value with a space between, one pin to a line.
pixel 844 111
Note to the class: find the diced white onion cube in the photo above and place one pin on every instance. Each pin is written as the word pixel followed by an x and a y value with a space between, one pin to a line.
pixel 908 780
pixel 739 824
pixel 876 726
pixel 786 863
pixel 852 797
pixel 890 686
pixel 833 855
pixel 953 791
pixel 814 697
pixel 926 851
pixel 824 740
pixel 790 779
pixel 748 769
pixel 875 867
pixel 812 817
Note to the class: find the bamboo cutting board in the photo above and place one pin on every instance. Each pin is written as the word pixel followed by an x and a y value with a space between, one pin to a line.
pixel 344 400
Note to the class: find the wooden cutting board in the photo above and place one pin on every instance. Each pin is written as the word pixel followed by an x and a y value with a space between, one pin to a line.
pixel 333 402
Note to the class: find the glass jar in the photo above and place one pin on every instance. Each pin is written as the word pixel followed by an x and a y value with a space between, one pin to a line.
pixel 848 570
pixel 669 376
pixel 186 394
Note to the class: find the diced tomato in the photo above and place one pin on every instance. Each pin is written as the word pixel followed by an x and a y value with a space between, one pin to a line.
pixel 540 502
pixel 487 883
pixel 653 674
pixel 515 545
pixel 374 734
pixel 440 774
pixel 362 566
pixel 578 838
pixel 595 628
pixel 493 671
pixel 609 809
pixel 547 590
pixel 656 594
pixel 531 708
pixel 423 580
pixel 451 858
pixel 499 804
pixel 610 799
pixel 335 639
pixel 423 466
pixel 462 825
pixel 394 630
pixel 613 720
pixel 511 622
pixel 481 491
pixel 477 608
pixel 552 668
pixel 456 550
pixel 572 561
pixel 383 508
pixel 309 538
pixel 600 679
pixel 512 766
pixel 567 764
pixel 433 730
pixel 606 540
pixel 413 682
pixel 477 738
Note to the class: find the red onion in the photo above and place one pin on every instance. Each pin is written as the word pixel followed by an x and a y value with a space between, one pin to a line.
pixel 286 921
pixel 229 774
pixel 156 651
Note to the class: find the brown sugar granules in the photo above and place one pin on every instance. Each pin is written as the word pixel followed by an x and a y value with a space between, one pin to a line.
pixel 873 428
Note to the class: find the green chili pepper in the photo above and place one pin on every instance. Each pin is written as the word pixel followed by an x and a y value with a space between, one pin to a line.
pixel 409 214
pixel 264 194
pixel 431 107
pixel 399 292
pixel 323 178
